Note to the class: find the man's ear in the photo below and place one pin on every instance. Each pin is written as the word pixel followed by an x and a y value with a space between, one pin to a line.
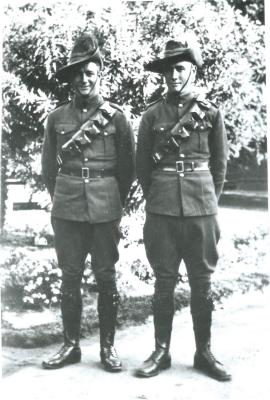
pixel 100 73
pixel 194 72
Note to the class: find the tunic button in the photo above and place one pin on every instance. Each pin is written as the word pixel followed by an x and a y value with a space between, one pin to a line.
pixel 182 155
pixel 84 110
pixel 105 133
pixel 180 105
pixel 181 175
pixel 201 128
pixel 86 159
pixel 86 180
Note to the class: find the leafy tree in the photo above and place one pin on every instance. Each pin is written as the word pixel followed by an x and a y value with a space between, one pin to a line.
pixel 254 9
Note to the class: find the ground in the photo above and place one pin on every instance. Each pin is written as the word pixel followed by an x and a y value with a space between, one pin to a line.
pixel 240 340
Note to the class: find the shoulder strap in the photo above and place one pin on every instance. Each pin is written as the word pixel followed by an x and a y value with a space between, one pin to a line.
pixel 153 103
pixel 109 109
pixel 116 106
pixel 203 102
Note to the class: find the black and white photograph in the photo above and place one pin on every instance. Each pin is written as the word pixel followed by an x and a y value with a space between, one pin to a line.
pixel 134 200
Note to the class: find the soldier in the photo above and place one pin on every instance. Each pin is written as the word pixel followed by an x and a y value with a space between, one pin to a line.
pixel 88 168
pixel 181 165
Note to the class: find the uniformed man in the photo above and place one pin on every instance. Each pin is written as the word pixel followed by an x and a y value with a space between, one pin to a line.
pixel 181 165
pixel 88 168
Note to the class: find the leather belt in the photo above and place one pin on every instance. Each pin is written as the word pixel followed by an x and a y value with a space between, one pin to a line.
pixel 87 173
pixel 186 166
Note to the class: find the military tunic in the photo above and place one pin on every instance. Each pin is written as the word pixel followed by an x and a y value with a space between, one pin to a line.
pixel 186 193
pixel 78 198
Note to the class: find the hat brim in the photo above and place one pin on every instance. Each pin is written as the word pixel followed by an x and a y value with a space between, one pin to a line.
pixel 159 65
pixel 64 74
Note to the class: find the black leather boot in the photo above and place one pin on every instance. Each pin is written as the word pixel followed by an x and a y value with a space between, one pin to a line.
pixel 163 311
pixel 70 352
pixel 204 360
pixel 107 311
pixel 159 360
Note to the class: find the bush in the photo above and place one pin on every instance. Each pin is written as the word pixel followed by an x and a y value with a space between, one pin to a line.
pixel 35 281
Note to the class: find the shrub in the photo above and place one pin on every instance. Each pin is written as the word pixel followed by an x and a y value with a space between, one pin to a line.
pixel 35 281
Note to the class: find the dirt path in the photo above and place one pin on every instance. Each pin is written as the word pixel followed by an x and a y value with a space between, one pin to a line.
pixel 240 340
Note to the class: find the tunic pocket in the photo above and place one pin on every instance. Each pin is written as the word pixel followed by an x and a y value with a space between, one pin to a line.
pixel 64 132
pixel 160 129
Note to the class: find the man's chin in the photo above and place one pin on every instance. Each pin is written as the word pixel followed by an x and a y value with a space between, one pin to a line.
pixel 85 93
pixel 176 88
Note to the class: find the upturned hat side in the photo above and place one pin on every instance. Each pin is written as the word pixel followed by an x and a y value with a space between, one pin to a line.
pixel 175 51
pixel 85 49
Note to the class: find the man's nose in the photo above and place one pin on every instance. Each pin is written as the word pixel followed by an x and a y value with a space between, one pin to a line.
pixel 83 77
pixel 174 73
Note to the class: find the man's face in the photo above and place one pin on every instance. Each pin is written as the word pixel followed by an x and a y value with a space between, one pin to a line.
pixel 180 75
pixel 86 79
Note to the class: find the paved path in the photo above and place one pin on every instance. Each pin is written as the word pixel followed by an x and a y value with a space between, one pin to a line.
pixel 240 339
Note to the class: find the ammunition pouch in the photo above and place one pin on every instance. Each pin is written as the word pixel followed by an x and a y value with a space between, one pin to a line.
pixel 170 142
pixel 74 146
pixel 165 146
pixel 87 133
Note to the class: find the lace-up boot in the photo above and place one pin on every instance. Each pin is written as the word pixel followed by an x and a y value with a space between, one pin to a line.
pixel 69 353
pixel 159 360
pixel 205 361
pixel 163 311
pixel 201 309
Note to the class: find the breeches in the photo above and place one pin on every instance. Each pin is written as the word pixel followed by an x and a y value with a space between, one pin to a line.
pixel 74 240
pixel 169 240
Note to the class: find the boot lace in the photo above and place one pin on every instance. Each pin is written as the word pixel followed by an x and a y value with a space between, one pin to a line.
pixel 210 357
pixel 63 350
pixel 110 352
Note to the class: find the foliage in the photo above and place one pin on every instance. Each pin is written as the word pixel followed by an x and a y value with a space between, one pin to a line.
pixel 254 9
pixel 36 281
pixel 3 192
pixel 38 38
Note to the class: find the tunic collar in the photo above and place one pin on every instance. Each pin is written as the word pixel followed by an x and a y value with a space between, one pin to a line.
pixel 88 103
pixel 174 98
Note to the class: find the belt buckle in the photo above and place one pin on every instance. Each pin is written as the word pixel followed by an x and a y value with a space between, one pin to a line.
pixel 180 166
pixel 85 173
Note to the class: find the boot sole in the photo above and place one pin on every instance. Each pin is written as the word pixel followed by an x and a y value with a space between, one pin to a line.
pixel 109 369
pixel 213 376
pixel 166 365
